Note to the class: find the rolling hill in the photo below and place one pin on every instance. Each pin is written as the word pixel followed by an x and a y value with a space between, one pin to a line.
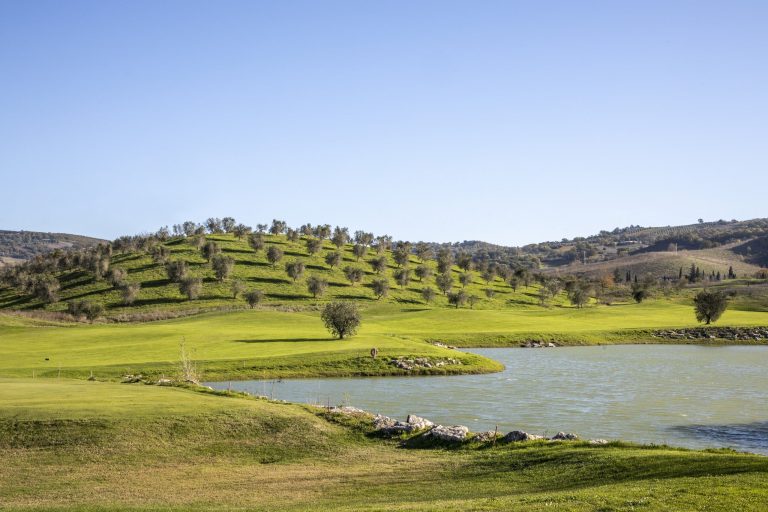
pixel 17 246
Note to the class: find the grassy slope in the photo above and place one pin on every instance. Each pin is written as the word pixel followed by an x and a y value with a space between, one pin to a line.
pixel 157 293
pixel 74 445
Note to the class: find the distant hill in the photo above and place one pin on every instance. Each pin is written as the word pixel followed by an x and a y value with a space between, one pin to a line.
pixel 23 245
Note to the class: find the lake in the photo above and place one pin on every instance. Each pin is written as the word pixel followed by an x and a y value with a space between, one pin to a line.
pixel 683 395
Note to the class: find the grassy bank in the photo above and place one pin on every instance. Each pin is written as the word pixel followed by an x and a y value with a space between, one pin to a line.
pixel 75 445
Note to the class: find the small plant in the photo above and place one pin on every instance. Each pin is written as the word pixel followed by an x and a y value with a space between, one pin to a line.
pixel 187 367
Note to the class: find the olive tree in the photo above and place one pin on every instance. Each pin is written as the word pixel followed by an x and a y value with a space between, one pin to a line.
pixel 313 246
pixel 333 259
pixel 241 230
pixel 423 272
pixel 710 305
pixel 253 297
pixel 379 264
pixel 210 249
pixel 472 300
pixel 116 277
pixel 359 250
pixel 465 278
pixel 274 255
pixel 444 261
pixel 340 236
pixel 228 224
pixel 403 277
pixel 222 266
pixel 46 289
pixel 256 241
pixel 353 274
pixel 316 286
pixel 191 287
pixel 380 287
pixel 278 227
pixel 237 288
pixel 341 318
pixel 428 294
pixel 444 282
pixel 176 270
pixel 458 299
pixel 294 269
pixel 129 292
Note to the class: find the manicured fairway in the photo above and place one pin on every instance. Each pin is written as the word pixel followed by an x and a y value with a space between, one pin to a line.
pixel 273 343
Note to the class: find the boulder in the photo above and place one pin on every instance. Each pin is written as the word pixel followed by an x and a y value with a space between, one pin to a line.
pixel 519 435
pixel 485 437
pixel 598 441
pixel 452 434
pixel 418 423
pixel 563 436
pixel 164 382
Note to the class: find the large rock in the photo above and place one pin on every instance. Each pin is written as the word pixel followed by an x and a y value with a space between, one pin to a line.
pixel 563 436
pixel 348 409
pixel 453 434
pixel 519 435
pixel 418 423
pixel 485 437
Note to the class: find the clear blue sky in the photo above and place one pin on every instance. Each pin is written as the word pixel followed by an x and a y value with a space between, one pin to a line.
pixel 510 122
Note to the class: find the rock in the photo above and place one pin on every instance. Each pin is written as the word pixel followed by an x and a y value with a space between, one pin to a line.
pixel 380 422
pixel 598 441
pixel 453 434
pixel 132 379
pixel 418 423
pixel 164 382
pixel 485 437
pixel 562 436
pixel 347 409
pixel 551 345
pixel 519 435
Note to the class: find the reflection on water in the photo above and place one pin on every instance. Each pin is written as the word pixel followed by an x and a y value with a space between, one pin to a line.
pixel 685 395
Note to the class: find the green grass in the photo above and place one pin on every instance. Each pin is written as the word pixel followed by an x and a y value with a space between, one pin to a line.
pixel 76 445
pixel 267 343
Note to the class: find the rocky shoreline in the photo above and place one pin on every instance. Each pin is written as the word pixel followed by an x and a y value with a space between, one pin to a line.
pixel 714 333
pixel 422 429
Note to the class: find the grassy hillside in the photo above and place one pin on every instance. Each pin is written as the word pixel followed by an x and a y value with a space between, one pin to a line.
pixel 254 270
pixel 73 445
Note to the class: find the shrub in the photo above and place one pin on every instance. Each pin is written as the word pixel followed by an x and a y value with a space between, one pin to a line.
pixel 341 318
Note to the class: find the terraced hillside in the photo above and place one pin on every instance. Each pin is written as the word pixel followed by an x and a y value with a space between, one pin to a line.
pixel 16 246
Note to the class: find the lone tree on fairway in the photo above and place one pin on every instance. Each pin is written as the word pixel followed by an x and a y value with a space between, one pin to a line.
pixel 710 305
pixel 253 297
pixel 341 318
pixel 274 254
pixel 316 286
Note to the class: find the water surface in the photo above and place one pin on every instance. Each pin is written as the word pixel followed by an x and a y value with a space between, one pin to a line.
pixel 683 395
